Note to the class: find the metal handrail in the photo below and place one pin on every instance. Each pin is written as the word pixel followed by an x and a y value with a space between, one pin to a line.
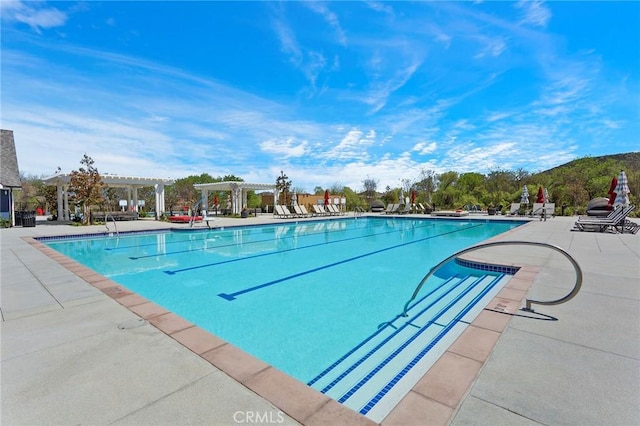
pixel 106 223
pixel 194 211
pixel 571 295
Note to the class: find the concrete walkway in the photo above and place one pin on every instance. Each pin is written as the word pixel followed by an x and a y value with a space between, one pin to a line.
pixel 72 355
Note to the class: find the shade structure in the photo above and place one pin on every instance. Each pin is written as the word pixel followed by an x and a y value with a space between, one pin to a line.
pixel 622 190
pixel 524 199
pixel 540 195
pixel 326 197
pixel 612 191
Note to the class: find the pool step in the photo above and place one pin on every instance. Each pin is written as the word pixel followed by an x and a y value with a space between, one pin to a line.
pixel 390 358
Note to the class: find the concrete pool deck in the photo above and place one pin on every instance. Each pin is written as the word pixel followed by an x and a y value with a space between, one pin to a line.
pixel 76 351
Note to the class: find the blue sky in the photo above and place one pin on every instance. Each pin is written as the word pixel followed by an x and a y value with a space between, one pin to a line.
pixel 331 92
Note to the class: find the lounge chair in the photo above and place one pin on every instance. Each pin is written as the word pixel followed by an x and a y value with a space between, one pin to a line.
pixel 537 209
pixel 388 209
pixel 319 211
pixel 425 210
pixel 550 209
pixel 616 220
pixel 282 212
pixel 333 210
pixel 515 209
pixel 405 209
pixel 299 211
pixel 394 209
pixel 305 211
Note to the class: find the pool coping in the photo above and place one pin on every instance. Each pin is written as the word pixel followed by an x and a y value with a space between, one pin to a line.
pixel 439 392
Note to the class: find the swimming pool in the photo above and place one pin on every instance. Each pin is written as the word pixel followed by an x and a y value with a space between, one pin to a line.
pixel 308 297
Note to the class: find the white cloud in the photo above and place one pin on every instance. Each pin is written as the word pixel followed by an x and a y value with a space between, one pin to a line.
pixel 353 145
pixel 330 17
pixel 497 116
pixel 380 7
pixel 534 13
pixel 424 148
pixel 32 14
pixel 288 148
pixel 493 47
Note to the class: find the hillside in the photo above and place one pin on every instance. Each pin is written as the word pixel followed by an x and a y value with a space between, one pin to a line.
pixel 629 162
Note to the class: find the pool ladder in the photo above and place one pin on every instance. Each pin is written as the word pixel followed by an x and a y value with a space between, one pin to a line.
pixel 106 224
pixel 529 302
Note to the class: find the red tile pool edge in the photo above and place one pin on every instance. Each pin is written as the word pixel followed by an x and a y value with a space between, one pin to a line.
pixel 437 395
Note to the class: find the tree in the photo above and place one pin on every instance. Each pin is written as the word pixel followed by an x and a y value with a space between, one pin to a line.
pixel 370 186
pixel 336 189
pixel 283 185
pixel 87 185
pixel 353 200
pixel 427 183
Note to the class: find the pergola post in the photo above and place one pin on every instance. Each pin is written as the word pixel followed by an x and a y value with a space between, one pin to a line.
pixel 60 206
pixel 66 203
pixel 135 199
pixel 159 200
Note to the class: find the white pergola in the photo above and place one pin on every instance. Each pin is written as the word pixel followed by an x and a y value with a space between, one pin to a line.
pixel 62 180
pixel 238 192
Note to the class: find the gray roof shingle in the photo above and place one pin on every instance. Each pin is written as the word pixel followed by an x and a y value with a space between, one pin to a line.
pixel 9 172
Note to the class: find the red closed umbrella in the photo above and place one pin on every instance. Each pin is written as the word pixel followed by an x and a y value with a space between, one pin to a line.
pixel 215 200
pixel 612 191
pixel 326 197
pixel 540 195
pixel 413 197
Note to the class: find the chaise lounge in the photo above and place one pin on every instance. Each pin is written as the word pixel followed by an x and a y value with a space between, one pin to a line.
pixel 616 221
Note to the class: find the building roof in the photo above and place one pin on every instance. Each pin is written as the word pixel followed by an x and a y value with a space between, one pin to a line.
pixel 113 181
pixel 9 172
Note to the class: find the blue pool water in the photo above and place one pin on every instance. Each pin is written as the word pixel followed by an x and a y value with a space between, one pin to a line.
pixel 299 296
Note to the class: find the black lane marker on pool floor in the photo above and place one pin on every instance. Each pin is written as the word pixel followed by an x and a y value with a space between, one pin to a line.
pixel 232 296
pixel 276 251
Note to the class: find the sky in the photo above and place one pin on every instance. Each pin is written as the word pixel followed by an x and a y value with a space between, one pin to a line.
pixel 330 93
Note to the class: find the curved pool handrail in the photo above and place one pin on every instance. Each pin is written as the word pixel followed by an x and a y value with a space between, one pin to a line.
pixel 571 295
pixel 106 223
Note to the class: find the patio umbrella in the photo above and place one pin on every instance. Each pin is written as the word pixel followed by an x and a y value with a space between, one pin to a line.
pixel 612 192
pixel 540 195
pixel 215 200
pixel 546 195
pixel 524 199
pixel 294 198
pixel 622 190
pixel 413 197
pixel 326 197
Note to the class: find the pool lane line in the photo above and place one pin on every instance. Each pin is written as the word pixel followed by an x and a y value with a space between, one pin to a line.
pixel 263 241
pixel 233 296
pixel 456 320
pixel 269 253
